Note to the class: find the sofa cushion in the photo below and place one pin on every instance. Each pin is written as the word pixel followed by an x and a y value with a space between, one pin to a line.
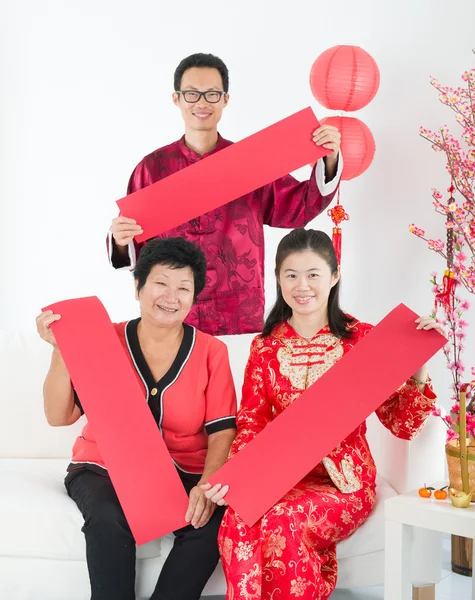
pixel 370 536
pixel 24 431
pixel 39 520
pixel 37 517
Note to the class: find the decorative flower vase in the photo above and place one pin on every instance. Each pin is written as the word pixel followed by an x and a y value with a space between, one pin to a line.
pixel 461 466
pixel 454 464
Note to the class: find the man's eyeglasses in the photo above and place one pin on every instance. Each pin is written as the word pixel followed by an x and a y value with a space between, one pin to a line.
pixel 192 96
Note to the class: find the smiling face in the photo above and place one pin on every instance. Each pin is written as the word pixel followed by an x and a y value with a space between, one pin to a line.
pixel 306 280
pixel 167 296
pixel 202 115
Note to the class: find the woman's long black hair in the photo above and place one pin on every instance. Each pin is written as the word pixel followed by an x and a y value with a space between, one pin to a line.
pixel 301 240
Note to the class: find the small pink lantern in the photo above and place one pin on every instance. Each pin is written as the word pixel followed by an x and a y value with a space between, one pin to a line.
pixel 344 78
pixel 357 145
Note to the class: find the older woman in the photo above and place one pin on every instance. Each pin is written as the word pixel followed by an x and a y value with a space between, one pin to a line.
pixel 291 551
pixel 187 382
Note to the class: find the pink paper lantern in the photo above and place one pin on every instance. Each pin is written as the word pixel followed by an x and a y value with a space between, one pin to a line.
pixel 357 145
pixel 344 78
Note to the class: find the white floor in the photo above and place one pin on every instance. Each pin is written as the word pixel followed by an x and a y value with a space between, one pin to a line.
pixel 452 586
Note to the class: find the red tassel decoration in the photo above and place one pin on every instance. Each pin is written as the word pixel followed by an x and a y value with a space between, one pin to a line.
pixel 336 239
pixel 445 299
pixel 337 215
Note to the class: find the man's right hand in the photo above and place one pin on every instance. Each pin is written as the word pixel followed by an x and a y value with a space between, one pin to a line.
pixel 124 230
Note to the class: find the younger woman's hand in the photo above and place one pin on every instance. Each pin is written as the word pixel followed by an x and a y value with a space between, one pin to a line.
pixel 430 323
pixel 216 493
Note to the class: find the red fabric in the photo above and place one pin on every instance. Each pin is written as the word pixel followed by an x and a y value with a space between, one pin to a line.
pixel 235 171
pixel 113 401
pixel 202 393
pixel 232 238
pixel 290 552
pixel 336 241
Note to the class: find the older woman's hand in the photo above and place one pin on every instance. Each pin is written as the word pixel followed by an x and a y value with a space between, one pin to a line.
pixel 200 509
pixel 216 493
pixel 43 323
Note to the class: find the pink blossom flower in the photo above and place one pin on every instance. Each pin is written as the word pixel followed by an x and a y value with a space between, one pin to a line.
pixel 437 245
pixel 470 419
pixel 451 435
pixel 416 231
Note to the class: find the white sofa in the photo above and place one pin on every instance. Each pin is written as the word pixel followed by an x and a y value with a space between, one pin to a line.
pixel 42 549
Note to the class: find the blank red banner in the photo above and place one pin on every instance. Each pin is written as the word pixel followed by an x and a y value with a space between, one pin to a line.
pixel 144 477
pixel 229 174
pixel 325 414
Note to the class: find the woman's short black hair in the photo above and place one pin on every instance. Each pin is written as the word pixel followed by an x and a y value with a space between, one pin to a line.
pixel 173 252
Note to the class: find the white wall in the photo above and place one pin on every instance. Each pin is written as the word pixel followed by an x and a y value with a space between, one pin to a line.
pixel 86 93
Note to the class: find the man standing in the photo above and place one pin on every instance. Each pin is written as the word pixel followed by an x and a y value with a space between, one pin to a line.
pixel 232 235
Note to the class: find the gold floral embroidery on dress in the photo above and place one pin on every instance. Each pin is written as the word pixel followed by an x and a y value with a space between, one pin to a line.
pixel 227 550
pixel 250 585
pixel 274 545
pixel 244 550
pixel 304 362
pixel 345 480
pixel 298 586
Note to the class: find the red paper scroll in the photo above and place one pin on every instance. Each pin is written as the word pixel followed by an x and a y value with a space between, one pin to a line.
pixel 146 481
pixel 229 174
pixel 334 406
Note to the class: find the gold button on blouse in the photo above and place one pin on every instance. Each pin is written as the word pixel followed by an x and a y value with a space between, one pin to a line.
pixel 154 391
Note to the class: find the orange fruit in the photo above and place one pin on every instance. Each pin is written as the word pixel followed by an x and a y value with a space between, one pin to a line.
pixel 440 494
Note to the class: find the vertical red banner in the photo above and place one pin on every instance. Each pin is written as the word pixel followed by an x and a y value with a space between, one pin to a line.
pixel 140 467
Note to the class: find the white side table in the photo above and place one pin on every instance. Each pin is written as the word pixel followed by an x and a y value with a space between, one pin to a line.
pixel 410 510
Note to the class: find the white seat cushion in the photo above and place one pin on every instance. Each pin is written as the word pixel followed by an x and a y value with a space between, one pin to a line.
pixel 370 536
pixel 37 517
pixel 39 520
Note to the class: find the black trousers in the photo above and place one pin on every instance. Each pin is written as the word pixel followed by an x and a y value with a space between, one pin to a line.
pixel 110 547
